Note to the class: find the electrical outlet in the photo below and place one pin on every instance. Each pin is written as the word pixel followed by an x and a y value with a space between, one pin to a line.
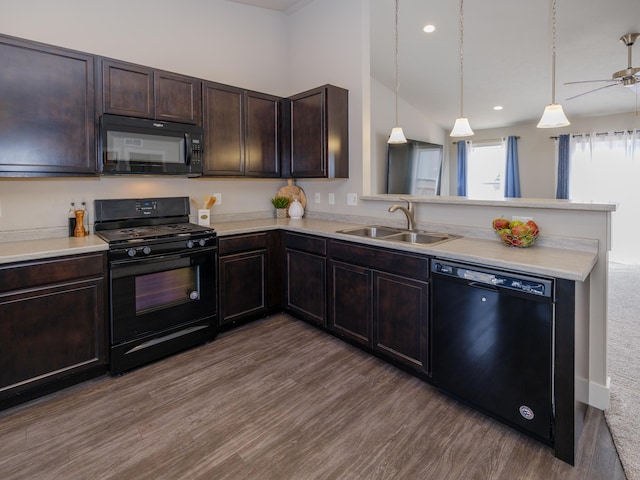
pixel 218 198
pixel 352 199
pixel 318 197
pixel 332 199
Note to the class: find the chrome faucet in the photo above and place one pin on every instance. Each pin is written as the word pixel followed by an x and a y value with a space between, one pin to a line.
pixel 408 211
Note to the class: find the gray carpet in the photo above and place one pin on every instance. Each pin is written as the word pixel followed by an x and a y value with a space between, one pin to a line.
pixel 622 415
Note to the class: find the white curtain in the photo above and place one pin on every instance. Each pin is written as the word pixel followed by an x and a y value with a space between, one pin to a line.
pixel 605 167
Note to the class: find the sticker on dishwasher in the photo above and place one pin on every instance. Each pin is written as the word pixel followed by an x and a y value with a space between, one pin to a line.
pixel 526 412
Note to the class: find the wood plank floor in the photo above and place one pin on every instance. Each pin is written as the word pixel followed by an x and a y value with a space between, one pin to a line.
pixel 276 399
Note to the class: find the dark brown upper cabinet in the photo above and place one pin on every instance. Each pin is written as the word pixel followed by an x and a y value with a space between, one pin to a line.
pixel 317 129
pixel 241 132
pixel 139 91
pixel 47 110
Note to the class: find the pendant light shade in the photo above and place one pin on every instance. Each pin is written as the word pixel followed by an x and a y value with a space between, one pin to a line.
pixel 461 128
pixel 553 115
pixel 397 135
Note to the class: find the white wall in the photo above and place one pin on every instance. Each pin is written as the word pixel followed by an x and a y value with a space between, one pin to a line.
pixel 414 125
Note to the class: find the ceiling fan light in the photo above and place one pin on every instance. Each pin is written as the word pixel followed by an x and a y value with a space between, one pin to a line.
pixel 397 136
pixel 461 128
pixel 553 117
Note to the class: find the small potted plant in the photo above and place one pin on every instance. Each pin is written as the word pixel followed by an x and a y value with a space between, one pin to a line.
pixel 280 204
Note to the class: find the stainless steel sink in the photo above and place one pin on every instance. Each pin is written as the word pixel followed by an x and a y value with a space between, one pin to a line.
pixel 418 237
pixel 372 231
pixel 422 238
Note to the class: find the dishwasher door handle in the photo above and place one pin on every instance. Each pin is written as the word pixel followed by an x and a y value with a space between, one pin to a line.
pixel 483 286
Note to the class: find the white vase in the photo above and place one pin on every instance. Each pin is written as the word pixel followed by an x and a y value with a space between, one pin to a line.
pixel 296 210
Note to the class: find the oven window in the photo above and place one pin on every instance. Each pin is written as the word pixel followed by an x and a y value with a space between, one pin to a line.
pixel 168 288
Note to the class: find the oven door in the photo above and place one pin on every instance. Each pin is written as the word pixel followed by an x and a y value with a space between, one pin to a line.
pixel 156 301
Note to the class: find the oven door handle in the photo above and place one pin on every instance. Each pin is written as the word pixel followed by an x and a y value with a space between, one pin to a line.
pixel 130 268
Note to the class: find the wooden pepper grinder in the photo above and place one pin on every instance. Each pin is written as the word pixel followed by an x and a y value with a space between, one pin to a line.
pixel 79 230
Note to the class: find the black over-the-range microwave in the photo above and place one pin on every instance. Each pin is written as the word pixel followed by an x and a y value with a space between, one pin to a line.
pixel 141 146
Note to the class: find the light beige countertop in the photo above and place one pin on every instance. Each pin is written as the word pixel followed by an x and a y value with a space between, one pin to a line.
pixel 554 262
pixel 24 250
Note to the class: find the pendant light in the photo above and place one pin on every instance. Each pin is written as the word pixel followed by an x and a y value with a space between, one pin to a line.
pixel 461 128
pixel 397 135
pixel 553 116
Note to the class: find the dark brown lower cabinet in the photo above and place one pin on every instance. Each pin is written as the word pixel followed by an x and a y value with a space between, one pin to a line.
pixel 401 319
pixel 249 277
pixel 306 271
pixel 380 298
pixel 350 301
pixel 53 325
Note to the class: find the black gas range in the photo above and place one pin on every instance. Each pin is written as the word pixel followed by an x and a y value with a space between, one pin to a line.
pixel 162 278
pixel 141 227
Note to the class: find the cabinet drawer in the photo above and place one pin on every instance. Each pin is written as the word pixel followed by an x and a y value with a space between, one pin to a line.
pixel 242 243
pixel 306 243
pixel 400 263
pixel 43 272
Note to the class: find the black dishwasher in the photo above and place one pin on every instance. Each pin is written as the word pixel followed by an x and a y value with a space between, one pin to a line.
pixel 492 343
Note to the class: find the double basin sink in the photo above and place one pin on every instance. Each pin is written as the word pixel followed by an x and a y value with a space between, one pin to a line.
pixel 417 237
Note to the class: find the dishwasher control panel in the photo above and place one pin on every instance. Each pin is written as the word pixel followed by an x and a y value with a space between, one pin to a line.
pixel 535 286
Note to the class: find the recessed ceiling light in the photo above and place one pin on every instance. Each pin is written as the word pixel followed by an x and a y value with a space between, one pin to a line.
pixel 498 107
pixel 429 28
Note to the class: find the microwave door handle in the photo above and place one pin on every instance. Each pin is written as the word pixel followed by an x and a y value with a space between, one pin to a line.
pixel 187 143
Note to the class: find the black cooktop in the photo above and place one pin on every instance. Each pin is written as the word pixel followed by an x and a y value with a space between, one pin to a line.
pixel 146 219
pixel 152 232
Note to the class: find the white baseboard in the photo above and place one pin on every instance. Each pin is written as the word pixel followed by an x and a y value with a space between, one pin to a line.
pixel 599 394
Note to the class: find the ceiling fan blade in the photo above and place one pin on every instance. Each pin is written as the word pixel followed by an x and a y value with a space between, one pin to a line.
pixel 590 81
pixel 591 91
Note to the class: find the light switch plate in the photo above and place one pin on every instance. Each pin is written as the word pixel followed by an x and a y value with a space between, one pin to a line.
pixel 332 199
pixel 218 198
pixel 352 199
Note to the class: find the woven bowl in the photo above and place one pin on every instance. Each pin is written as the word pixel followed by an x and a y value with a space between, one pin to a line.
pixel 511 240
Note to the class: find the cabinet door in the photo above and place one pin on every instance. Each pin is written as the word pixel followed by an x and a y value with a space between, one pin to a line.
pixel 223 118
pixel 127 89
pixel 307 135
pixel 306 291
pixel 242 286
pixel 317 125
pixel 36 343
pixel 350 294
pixel 262 156
pixel 178 98
pixel 401 319
pixel 47 110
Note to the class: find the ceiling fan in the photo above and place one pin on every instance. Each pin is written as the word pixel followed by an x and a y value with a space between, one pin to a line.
pixel 628 77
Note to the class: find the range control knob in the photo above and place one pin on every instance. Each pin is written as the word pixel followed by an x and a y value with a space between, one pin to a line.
pixel 131 252
pixel 202 242
pixel 190 244
pixel 146 250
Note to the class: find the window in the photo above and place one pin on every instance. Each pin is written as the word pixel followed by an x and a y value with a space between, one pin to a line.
pixel 606 168
pixel 486 170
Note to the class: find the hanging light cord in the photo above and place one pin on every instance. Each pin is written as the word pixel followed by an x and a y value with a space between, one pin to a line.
pixel 461 58
pixel 396 74
pixel 553 52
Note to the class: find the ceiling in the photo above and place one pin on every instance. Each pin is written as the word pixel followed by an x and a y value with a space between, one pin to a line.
pixel 507 56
